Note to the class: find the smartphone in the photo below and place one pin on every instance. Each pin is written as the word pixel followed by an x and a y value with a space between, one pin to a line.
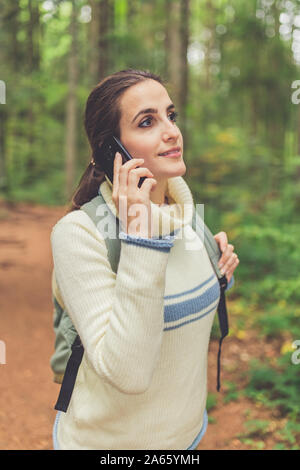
pixel 108 152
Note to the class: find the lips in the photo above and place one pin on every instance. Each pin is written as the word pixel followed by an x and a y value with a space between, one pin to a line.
pixel 175 151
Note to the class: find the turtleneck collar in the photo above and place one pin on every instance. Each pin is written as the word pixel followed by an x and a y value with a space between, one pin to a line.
pixel 166 218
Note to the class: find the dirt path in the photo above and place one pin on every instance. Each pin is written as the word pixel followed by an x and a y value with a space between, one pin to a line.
pixel 27 391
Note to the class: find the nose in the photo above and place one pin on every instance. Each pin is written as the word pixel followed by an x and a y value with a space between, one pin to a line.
pixel 170 131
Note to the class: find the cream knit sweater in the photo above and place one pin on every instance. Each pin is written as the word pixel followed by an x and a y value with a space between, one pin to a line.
pixel 142 383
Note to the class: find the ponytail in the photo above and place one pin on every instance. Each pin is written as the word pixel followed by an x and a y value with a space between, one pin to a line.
pixel 88 186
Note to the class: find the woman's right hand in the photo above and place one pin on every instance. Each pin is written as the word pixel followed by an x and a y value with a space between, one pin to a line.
pixel 126 194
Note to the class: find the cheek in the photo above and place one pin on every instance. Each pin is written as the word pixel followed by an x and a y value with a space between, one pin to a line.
pixel 146 145
pixel 142 146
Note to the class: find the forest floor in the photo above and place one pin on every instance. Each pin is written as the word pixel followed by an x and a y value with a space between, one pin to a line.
pixel 27 391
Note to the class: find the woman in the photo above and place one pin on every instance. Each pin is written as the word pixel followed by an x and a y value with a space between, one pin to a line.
pixel 142 381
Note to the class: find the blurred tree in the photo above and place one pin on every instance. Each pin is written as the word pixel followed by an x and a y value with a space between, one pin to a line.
pixel 33 65
pixel 132 8
pixel 209 34
pixel 184 75
pixel 105 22
pixel 71 108
pixel 94 51
pixel 3 176
pixel 176 46
pixel 11 26
pixel 33 36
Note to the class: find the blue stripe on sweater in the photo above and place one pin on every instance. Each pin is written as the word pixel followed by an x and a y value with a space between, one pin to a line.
pixel 195 305
pixel 190 290
pixel 201 305
pixel 190 321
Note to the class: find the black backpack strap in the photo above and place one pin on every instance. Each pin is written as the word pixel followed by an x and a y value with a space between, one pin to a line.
pixel 70 376
pixel 223 321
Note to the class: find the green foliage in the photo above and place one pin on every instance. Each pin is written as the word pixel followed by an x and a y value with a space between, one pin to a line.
pixel 232 392
pixel 276 387
pixel 255 445
pixel 48 195
pixel 211 420
pixel 215 331
pixel 291 433
pixel 278 319
pixel 279 446
pixel 211 401
pixel 255 429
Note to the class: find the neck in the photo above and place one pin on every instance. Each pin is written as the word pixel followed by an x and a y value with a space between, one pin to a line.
pixel 158 194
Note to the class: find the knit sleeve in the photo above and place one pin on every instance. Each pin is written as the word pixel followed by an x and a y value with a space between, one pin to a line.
pixel 119 318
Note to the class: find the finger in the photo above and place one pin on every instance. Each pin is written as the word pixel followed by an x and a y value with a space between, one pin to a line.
pixel 147 185
pixel 229 274
pixel 132 163
pixel 123 173
pixel 135 174
pixel 221 239
pixel 226 255
pixel 231 264
pixel 117 165
pixel 134 178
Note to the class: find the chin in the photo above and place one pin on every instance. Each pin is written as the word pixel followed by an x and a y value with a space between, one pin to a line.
pixel 179 171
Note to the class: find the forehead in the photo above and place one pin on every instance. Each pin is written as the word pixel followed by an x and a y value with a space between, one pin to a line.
pixel 147 94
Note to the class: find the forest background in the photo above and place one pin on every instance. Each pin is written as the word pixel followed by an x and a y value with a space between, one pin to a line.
pixel 232 69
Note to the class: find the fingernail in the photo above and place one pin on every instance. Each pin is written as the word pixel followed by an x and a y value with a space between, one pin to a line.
pixel 222 272
pixel 221 265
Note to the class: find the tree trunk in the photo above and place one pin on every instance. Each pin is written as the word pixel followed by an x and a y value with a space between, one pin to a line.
pixel 32 66
pixel 3 176
pixel 103 42
pixel 93 33
pixel 3 113
pixel 172 45
pixel 10 22
pixel 132 8
pixel 176 45
pixel 33 36
pixel 183 90
pixel 71 120
pixel 211 26
pixel 11 61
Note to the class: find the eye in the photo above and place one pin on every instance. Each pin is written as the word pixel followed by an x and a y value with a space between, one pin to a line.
pixel 174 115
pixel 146 120
pixel 173 118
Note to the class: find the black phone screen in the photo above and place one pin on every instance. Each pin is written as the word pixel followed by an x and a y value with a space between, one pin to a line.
pixel 108 152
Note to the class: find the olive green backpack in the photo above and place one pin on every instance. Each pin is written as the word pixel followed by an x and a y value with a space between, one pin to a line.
pixel 68 348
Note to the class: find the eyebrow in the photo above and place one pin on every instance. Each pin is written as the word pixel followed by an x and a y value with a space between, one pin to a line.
pixel 151 110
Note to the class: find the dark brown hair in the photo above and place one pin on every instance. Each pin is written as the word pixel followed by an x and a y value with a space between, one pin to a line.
pixel 102 119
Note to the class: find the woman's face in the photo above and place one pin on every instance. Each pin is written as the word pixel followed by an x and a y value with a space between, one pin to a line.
pixel 148 134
